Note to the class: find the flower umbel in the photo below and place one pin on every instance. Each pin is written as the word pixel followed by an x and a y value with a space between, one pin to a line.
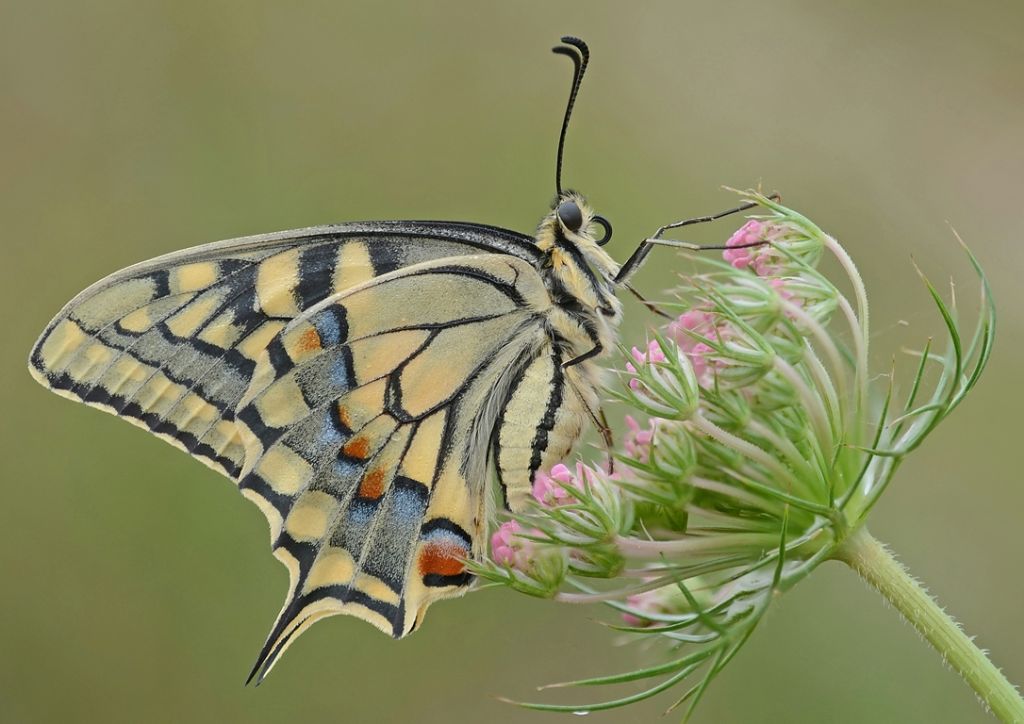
pixel 764 442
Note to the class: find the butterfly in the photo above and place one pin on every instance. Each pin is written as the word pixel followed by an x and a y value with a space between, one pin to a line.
pixel 361 383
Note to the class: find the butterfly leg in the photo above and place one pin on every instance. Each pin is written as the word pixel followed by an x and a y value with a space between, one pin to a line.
pixel 601 420
pixel 651 306
pixel 636 259
pixel 596 350
pixel 713 217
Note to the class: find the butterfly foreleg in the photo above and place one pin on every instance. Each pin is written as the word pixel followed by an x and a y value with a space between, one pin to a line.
pixel 775 196
pixel 639 255
pixel 601 422
pixel 651 306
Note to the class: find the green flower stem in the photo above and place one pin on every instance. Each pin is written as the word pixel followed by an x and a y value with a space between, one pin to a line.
pixel 876 565
pixel 695 545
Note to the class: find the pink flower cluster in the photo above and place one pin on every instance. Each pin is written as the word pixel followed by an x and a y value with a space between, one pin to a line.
pixel 681 331
pixel 763 259
pixel 638 440
pixel 654 353
pixel 509 549
pixel 550 489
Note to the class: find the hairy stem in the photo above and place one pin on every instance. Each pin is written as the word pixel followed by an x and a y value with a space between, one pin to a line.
pixel 876 565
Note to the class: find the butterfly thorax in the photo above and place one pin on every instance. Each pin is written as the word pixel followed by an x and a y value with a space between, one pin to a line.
pixel 579 276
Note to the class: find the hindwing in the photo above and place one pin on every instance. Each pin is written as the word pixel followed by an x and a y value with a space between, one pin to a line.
pixel 366 431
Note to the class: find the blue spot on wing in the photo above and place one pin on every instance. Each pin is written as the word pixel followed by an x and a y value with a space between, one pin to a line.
pixel 331 325
pixel 330 435
pixel 339 374
pixel 409 499
pixel 388 554
pixel 348 470
pixel 360 512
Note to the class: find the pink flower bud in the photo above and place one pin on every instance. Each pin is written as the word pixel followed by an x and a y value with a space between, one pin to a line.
pixel 695 320
pixel 549 489
pixel 509 549
pixel 638 440
pixel 764 260
pixel 654 353
pixel 750 233
pixel 682 331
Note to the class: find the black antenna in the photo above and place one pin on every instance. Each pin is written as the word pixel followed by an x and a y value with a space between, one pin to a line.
pixel 577 50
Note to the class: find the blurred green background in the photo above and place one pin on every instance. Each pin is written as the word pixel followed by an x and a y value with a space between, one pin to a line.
pixel 138 586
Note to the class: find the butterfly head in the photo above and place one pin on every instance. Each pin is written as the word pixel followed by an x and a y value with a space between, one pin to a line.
pixel 570 237
pixel 572 221
pixel 572 211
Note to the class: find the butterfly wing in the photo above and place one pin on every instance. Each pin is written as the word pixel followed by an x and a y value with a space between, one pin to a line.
pixel 171 344
pixel 367 428
pixel 352 380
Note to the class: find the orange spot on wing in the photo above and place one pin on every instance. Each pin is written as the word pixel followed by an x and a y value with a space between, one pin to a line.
pixel 442 558
pixel 372 485
pixel 343 415
pixel 357 448
pixel 309 340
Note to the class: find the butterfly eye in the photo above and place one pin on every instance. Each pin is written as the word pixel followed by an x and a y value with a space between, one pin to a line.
pixel 570 215
pixel 607 226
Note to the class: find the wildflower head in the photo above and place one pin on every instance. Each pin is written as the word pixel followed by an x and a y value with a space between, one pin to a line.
pixel 523 559
pixel 748 247
pixel 686 331
pixel 549 488
pixel 770 246
pixel 767 440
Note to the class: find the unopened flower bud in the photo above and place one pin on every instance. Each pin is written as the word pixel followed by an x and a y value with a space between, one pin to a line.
pixel 509 549
pixel 674 455
pixel 663 382
pixel 669 600
pixel 524 564
pixel 638 440
pixel 552 489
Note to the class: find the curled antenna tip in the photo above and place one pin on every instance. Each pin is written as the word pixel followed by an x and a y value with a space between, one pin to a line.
pixel 575 42
pixel 579 53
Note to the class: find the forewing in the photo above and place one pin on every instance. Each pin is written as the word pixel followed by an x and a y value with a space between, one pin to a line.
pixel 366 429
pixel 171 344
